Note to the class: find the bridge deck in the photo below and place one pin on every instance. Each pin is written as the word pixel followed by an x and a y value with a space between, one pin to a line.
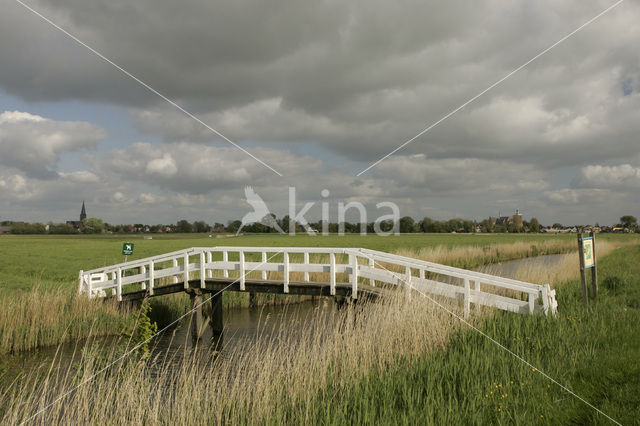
pixel 255 286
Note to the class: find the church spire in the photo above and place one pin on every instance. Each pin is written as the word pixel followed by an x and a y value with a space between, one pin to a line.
pixel 83 213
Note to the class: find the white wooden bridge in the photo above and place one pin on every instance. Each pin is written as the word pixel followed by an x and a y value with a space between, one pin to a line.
pixel 340 272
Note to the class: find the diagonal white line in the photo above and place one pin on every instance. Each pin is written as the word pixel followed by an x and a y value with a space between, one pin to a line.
pixel 491 87
pixel 500 345
pixel 126 354
pixel 145 85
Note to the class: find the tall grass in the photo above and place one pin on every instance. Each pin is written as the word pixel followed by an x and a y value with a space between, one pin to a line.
pixel 564 268
pixel 252 384
pixel 42 318
pixel 591 350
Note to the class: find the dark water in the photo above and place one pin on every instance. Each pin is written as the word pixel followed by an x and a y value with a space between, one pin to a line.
pixel 241 326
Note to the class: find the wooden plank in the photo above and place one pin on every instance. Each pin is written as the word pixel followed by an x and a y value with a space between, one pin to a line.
pixel 143 271
pixel 306 266
pixel 286 272
pixel 332 274
pixel 353 261
pixel 119 284
pixel 258 286
pixel 242 271
pixel 225 258
pixel 152 277
pixel 174 262
pixel 371 264
pixel 264 263
pixel 202 269
pixel 185 274
pixel 467 298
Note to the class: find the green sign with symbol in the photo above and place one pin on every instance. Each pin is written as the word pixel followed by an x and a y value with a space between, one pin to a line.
pixel 127 249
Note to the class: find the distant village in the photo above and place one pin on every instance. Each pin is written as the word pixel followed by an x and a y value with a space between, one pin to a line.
pixel 500 224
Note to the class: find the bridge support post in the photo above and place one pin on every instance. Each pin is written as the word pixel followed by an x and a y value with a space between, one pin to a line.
pixel 216 323
pixel 197 320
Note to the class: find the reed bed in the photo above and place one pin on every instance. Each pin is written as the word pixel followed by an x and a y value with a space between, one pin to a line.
pixel 43 318
pixel 259 382
pixel 566 268
pixel 473 256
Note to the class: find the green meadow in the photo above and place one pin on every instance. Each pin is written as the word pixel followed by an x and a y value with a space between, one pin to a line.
pixel 52 261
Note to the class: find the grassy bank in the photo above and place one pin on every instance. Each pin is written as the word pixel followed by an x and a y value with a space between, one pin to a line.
pixel 399 361
pixel 593 351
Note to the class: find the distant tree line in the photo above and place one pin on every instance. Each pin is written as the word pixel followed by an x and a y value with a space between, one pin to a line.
pixel 405 225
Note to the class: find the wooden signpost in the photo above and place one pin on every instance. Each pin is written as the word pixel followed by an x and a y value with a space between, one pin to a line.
pixel 587 253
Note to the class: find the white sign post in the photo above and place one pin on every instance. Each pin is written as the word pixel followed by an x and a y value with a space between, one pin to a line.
pixel 587 252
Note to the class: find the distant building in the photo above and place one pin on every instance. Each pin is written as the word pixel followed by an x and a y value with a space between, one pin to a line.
pixel 78 223
pixel 5 229
pixel 502 220
pixel 516 220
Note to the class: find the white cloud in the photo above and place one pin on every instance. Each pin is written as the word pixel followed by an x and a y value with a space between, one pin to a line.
pixel 119 197
pixel 14 185
pixel 149 198
pixel 165 166
pixel 587 198
pixel 34 144
pixel 198 169
pixel 613 177
pixel 81 176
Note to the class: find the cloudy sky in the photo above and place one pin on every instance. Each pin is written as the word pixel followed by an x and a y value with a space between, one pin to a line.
pixel 318 91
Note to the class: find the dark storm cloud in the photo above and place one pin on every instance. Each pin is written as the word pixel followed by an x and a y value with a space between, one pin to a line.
pixel 357 78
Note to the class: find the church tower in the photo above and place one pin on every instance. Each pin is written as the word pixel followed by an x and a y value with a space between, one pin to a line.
pixel 83 212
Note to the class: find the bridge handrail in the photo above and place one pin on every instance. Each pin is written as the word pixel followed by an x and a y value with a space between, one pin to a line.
pixel 141 262
pixel 97 280
pixel 449 270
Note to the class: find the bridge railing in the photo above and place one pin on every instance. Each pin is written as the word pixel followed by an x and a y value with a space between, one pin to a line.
pixel 354 266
